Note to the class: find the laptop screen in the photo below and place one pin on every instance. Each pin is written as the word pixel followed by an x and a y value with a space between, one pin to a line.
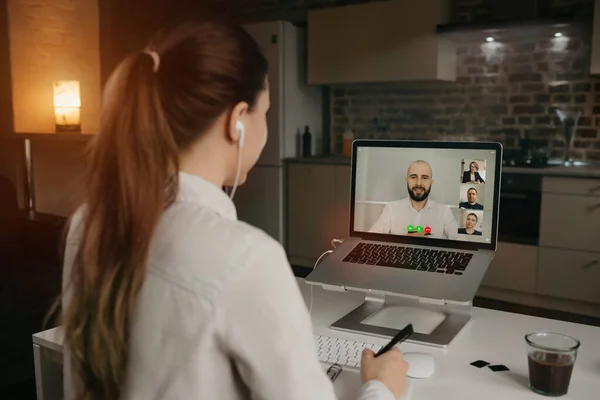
pixel 446 190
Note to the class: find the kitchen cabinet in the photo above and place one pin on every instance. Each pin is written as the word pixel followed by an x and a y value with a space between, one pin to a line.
pixel 310 206
pixel 570 222
pixel 258 201
pixel 569 261
pixel 569 274
pixel 379 41
pixel 514 268
pixel 318 209
pixel 572 186
pixel 341 206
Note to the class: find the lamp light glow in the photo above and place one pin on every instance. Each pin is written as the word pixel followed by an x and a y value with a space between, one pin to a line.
pixel 67 106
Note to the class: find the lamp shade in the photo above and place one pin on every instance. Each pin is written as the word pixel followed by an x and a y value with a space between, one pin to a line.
pixel 67 106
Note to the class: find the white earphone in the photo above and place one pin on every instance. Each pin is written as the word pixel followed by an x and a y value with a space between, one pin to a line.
pixel 239 126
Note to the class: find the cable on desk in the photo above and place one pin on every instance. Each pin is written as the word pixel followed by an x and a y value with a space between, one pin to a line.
pixel 311 286
pixel 334 243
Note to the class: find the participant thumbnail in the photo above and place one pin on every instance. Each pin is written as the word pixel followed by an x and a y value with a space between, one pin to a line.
pixel 472 197
pixel 471 223
pixel 473 171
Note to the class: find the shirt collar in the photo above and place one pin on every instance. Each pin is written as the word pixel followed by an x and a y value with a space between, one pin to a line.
pixel 194 189
pixel 428 205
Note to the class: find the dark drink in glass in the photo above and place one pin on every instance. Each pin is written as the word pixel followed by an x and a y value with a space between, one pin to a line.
pixel 551 358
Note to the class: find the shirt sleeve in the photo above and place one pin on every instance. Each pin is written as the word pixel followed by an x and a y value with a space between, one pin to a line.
pixel 268 333
pixel 480 178
pixel 384 222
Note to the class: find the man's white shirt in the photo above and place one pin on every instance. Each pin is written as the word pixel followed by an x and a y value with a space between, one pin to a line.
pixel 398 215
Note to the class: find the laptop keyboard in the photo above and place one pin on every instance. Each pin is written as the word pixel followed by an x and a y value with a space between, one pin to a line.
pixel 430 260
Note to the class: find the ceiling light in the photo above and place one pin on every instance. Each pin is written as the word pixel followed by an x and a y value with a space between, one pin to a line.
pixel 558 34
pixel 489 39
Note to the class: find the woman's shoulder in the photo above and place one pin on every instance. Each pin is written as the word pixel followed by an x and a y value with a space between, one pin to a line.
pixel 188 224
pixel 202 247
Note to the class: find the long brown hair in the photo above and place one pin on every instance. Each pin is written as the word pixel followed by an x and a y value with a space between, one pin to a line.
pixel 152 111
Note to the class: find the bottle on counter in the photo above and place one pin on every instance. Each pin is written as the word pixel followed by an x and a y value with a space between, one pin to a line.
pixel 306 142
pixel 347 140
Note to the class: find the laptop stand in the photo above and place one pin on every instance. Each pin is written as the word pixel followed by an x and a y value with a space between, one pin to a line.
pixel 436 323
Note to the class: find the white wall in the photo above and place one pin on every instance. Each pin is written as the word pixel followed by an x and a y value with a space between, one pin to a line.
pixel 381 174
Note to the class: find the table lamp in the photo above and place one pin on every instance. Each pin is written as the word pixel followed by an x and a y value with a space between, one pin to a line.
pixel 67 106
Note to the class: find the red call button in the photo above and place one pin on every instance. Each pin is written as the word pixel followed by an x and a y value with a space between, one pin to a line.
pixel 427 229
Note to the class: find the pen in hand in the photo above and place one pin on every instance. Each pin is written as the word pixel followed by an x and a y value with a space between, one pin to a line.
pixel 399 338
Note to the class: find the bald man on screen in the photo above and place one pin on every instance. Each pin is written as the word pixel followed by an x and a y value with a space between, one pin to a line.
pixel 417 209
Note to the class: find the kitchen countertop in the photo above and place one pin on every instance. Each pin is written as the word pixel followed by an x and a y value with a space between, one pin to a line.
pixel 579 170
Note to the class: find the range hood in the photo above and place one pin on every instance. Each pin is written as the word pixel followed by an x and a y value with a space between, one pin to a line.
pixel 509 20
pixel 510 30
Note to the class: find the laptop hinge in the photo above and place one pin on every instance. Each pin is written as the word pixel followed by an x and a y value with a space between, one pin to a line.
pixel 333 288
pixel 438 302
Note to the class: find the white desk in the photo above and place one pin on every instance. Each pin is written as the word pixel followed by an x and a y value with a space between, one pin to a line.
pixel 494 336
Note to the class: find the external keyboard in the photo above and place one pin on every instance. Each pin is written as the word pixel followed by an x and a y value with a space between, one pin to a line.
pixel 340 351
pixel 430 260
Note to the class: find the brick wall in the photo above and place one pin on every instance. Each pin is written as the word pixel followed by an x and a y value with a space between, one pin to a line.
pixel 503 92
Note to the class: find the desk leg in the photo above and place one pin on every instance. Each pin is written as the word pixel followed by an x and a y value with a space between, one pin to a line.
pixel 48 375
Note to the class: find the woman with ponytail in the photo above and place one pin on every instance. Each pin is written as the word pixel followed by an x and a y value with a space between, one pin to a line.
pixel 166 295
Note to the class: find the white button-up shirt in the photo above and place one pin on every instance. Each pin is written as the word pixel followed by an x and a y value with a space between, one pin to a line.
pixel 220 315
pixel 398 215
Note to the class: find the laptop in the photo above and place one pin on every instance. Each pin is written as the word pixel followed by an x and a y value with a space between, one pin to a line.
pixel 423 220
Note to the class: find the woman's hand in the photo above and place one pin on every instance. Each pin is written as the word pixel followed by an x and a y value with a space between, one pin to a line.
pixel 389 368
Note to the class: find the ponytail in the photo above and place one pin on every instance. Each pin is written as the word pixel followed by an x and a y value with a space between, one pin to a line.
pixel 131 178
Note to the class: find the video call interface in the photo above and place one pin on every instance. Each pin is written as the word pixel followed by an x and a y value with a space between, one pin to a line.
pixel 433 193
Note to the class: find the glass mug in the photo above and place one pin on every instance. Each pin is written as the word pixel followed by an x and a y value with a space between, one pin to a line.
pixel 551 357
